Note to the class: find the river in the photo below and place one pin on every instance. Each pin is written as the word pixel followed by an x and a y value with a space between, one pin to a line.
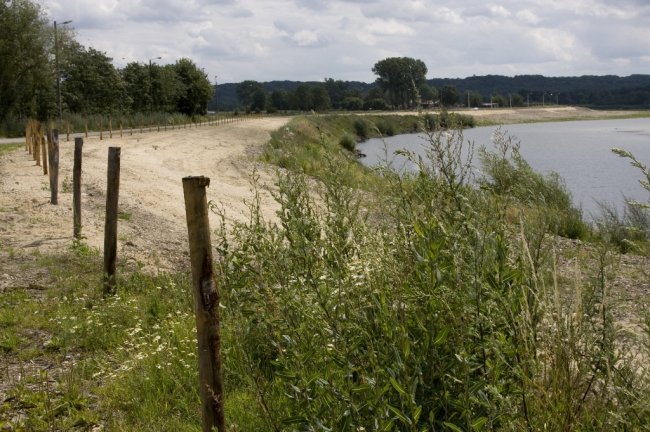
pixel 580 151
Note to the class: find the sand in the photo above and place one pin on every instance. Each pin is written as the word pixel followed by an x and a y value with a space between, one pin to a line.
pixel 153 230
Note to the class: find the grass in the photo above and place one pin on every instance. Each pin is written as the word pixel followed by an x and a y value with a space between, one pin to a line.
pixel 372 301
pixel 482 121
pixel 8 148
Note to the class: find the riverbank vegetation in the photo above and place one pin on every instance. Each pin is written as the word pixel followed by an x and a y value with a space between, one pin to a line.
pixel 431 300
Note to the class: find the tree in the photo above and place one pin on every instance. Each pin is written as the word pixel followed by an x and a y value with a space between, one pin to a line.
pixel 196 89
pixel 475 99
pixel 301 97
pixel 449 95
pixel 319 98
pixel 500 100
pixel 279 99
pixel 335 90
pixel 427 93
pixel 258 100
pixel 91 85
pixel 517 100
pixel 400 76
pixel 352 104
pixel 245 90
pixel 26 73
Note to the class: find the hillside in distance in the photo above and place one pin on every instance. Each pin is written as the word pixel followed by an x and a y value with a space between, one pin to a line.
pixel 592 90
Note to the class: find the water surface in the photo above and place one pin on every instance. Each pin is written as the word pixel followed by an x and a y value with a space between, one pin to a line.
pixel 579 151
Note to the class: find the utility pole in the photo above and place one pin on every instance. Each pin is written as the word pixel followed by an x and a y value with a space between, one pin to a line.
pixel 216 93
pixel 58 71
pixel 150 87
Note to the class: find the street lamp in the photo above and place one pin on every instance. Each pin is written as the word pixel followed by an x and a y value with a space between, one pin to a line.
pixel 58 71
pixel 150 87
pixel 216 93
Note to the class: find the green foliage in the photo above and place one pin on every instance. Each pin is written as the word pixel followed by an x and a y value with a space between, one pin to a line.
pixel 91 85
pixel 400 76
pixel 361 127
pixel 196 88
pixel 447 120
pixel 258 100
pixel 245 90
pixel 26 72
pixel 348 142
pixel 509 175
pixel 449 96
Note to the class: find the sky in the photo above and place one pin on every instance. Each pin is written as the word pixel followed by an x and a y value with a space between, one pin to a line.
pixel 309 40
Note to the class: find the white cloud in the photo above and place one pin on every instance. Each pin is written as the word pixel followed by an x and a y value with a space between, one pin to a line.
pixel 311 39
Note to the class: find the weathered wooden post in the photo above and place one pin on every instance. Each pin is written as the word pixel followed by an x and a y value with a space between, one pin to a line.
pixel 76 187
pixel 101 130
pixel 67 125
pixel 54 166
pixel 110 128
pixel 110 227
pixel 206 303
pixel 44 154
pixel 27 137
pixel 37 145
pixel 120 128
pixel 86 126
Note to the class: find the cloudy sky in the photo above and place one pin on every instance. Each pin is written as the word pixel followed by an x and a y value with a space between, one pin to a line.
pixel 268 40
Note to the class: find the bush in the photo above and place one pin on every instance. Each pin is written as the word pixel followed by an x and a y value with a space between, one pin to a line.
pixel 271 110
pixel 508 174
pixel 347 142
pixel 361 127
pixel 385 127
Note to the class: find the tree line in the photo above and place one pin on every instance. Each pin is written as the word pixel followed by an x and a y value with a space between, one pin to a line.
pixel 34 54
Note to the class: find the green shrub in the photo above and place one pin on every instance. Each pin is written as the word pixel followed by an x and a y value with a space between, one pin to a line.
pixel 385 127
pixel 361 127
pixel 347 142
pixel 271 110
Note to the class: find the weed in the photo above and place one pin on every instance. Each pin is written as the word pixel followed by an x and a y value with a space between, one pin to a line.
pixel 124 216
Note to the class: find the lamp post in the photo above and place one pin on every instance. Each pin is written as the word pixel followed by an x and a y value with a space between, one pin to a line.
pixel 58 71
pixel 216 93
pixel 150 86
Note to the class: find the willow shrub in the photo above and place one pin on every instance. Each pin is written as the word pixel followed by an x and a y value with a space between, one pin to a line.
pixel 419 308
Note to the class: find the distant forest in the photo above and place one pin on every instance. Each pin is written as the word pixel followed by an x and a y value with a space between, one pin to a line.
pixel 607 92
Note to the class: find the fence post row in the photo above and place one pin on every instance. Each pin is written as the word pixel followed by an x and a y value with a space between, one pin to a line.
pixel 206 303
pixel 76 187
pixel 110 227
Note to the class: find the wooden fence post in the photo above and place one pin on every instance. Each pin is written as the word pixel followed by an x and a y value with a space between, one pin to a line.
pixel 131 126
pixel 206 303
pixel 54 166
pixel 101 130
pixel 37 145
pixel 76 187
pixel 67 125
pixel 44 155
pixel 27 137
pixel 120 128
pixel 110 128
pixel 110 227
pixel 86 126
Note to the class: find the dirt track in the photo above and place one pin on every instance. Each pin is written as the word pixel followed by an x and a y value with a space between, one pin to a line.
pixel 151 192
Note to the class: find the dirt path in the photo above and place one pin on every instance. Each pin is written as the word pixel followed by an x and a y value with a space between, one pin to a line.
pixel 152 229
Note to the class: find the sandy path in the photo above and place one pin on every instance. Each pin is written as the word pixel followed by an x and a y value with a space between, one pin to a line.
pixel 152 167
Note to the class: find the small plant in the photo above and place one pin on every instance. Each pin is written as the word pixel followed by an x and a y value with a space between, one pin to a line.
pixel 124 216
pixel 347 142
pixel 66 185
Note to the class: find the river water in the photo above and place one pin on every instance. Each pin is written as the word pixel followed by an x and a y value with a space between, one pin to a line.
pixel 580 151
